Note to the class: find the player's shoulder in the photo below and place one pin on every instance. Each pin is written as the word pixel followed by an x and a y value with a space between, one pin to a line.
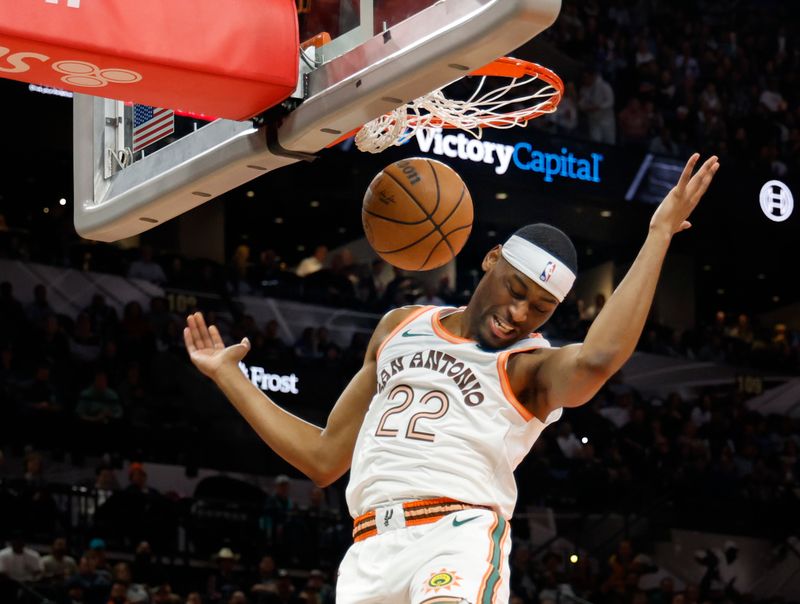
pixel 397 316
pixel 391 321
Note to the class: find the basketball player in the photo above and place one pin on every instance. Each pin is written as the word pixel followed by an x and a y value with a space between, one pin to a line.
pixel 446 405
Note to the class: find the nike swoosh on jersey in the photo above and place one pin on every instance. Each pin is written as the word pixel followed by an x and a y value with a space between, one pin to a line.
pixel 457 522
pixel 407 334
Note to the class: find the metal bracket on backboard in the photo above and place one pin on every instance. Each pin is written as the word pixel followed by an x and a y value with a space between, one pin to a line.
pixel 114 138
pixel 357 82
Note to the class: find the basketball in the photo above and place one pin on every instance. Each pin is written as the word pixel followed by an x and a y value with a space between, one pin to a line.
pixel 417 214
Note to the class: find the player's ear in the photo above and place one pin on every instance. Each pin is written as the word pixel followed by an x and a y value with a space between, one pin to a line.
pixel 491 258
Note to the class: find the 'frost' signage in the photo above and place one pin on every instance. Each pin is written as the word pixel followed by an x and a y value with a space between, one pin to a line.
pixel 270 382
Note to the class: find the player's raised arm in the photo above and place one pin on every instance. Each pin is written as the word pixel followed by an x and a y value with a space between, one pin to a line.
pixel 321 454
pixel 570 376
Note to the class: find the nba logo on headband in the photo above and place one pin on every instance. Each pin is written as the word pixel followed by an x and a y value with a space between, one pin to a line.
pixel 538 265
pixel 547 272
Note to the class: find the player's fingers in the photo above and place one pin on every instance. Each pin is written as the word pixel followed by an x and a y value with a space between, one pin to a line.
pixel 189 340
pixel 686 175
pixel 686 225
pixel 191 321
pixel 704 181
pixel 216 339
pixel 203 328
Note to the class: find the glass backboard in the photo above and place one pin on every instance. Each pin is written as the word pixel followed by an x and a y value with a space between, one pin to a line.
pixel 369 57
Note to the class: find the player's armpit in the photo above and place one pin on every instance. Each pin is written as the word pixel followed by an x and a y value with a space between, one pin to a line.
pixel 546 379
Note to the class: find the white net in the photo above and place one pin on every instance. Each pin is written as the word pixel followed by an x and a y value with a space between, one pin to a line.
pixel 506 106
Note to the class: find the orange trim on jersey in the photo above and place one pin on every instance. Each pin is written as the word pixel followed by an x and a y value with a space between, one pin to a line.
pixel 502 372
pixel 400 326
pixel 441 330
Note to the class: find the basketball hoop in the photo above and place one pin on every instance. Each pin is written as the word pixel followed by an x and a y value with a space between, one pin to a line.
pixel 531 91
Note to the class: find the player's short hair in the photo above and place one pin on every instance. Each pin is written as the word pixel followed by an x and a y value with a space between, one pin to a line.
pixel 553 241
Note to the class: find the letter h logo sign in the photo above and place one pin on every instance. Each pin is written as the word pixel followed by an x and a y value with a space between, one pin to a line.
pixel 70 3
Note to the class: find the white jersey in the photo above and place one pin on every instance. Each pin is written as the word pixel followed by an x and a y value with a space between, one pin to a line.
pixel 444 421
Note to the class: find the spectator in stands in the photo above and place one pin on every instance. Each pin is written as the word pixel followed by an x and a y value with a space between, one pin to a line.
pixel 159 316
pixel 53 345
pixel 566 118
pixel 162 594
pixel 136 333
pixel 102 316
pixel 34 470
pixel 701 414
pixel 237 597
pixel 317 590
pixel 38 310
pixel 12 315
pixel 177 275
pixel 430 297
pixel 146 268
pixel 118 593
pixel 634 123
pixel 324 342
pixel 265 587
pixel 58 565
pixel 313 263
pixel 597 102
pixel 225 580
pixel 96 587
pixel 620 565
pixel 277 510
pixel 41 408
pixel 273 349
pixel 307 346
pixel 285 589
pixel 663 144
pixel 98 403
pixel 136 593
pixel 76 594
pixel 97 548
pixel 240 263
pixel 522 581
pixel 20 563
pixel 145 511
pixel 334 285
pixel 85 343
pixel 144 568
pixel 132 393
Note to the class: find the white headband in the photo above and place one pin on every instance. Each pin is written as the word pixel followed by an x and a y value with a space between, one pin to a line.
pixel 539 266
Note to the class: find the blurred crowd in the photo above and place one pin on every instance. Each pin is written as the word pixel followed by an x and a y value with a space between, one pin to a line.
pixel 726 338
pixel 707 464
pixel 101 386
pixel 679 77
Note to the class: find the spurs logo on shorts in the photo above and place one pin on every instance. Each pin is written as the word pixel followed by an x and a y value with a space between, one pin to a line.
pixel 442 580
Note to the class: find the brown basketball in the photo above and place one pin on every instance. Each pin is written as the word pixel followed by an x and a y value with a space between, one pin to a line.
pixel 417 214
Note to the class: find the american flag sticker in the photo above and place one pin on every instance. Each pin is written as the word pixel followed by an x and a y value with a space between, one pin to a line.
pixel 151 124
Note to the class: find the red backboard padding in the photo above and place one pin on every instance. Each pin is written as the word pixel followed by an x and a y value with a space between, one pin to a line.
pixel 225 58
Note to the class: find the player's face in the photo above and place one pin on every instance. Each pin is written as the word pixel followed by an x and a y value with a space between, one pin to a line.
pixel 507 305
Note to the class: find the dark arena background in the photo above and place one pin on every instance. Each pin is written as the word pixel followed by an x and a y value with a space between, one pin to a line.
pixel 126 477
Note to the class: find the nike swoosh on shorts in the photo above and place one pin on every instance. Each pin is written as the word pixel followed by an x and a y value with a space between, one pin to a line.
pixel 457 522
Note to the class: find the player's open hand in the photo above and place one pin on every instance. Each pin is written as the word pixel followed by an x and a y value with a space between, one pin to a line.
pixel 206 349
pixel 671 215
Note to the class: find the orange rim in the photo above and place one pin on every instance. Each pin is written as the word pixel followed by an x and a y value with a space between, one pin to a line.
pixel 509 67
pixel 505 67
